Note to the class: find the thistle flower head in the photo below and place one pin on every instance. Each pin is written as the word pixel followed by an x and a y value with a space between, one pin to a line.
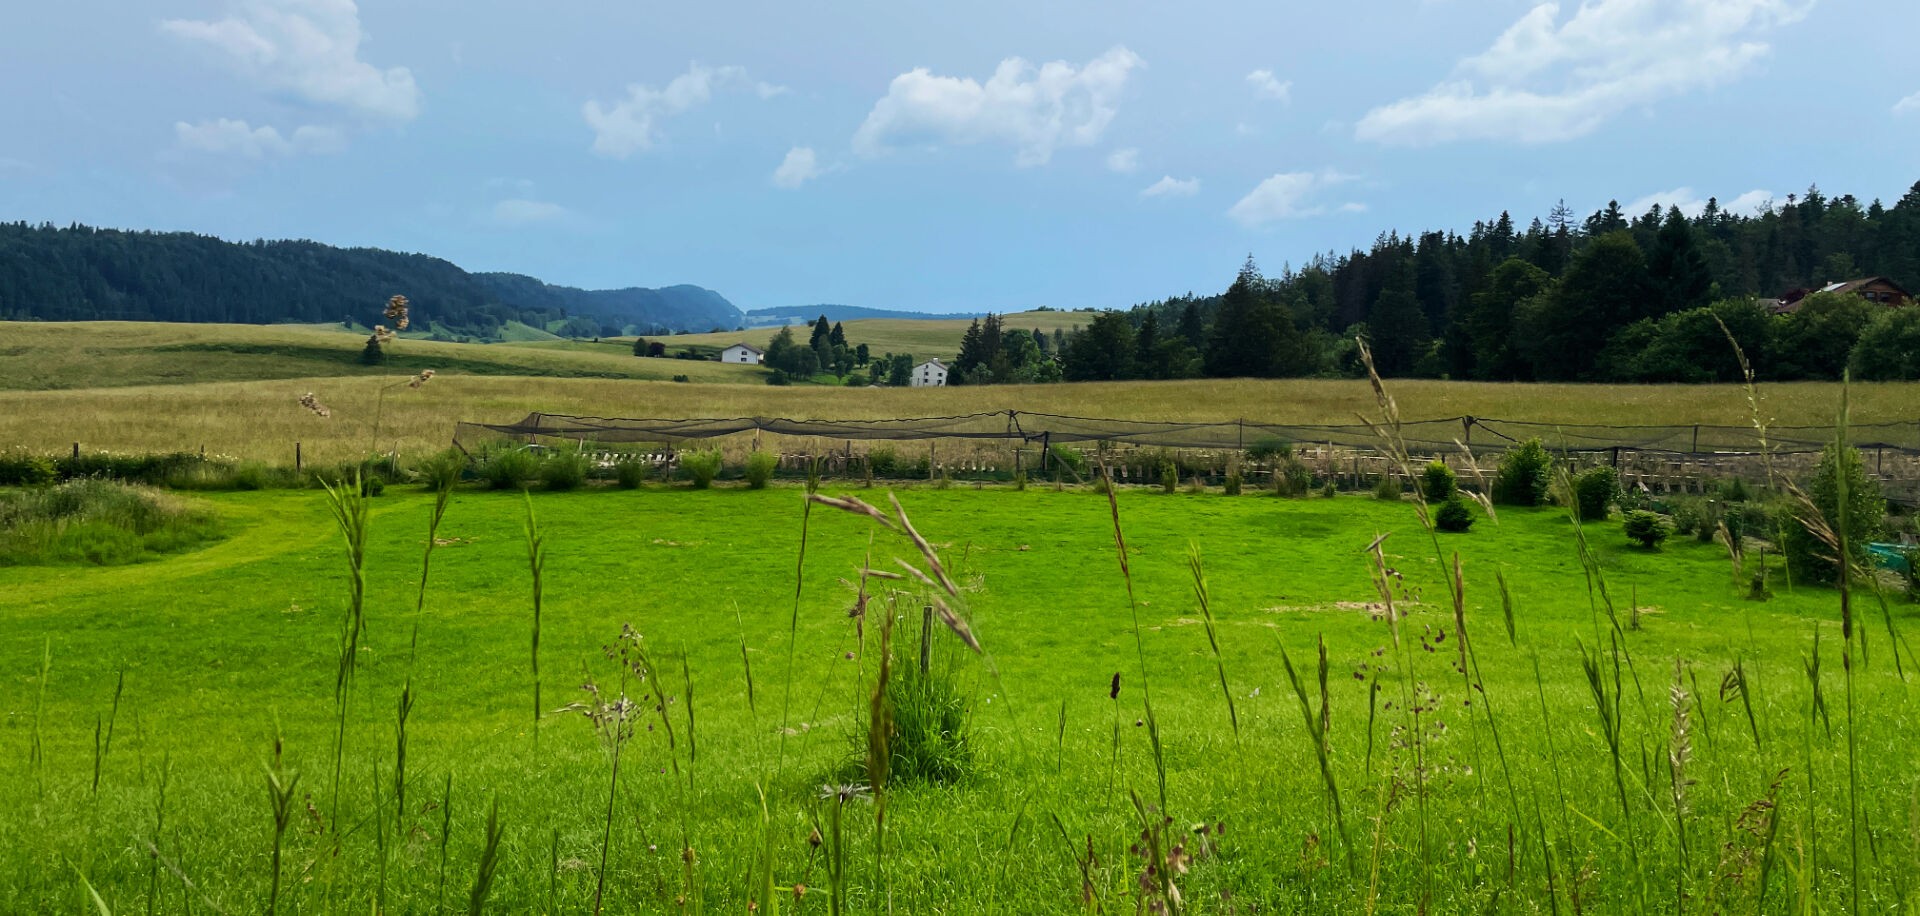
pixel 397 311
pixel 312 403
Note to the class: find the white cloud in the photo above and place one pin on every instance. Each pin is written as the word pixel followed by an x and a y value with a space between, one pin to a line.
pixel 1266 86
pixel 1125 161
pixel 1692 204
pixel 627 126
pixel 521 211
pixel 226 135
pixel 1169 186
pixel 309 50
pixel 1034 109
pixel 1290 195
pixel 799 167
pixel 1544 80
pixel 1910 104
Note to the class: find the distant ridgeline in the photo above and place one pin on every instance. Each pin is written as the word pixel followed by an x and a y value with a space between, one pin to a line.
pixel 83 274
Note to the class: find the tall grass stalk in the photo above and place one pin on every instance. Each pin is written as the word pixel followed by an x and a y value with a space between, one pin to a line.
pixel 37 749
pixel 1316 730
pixel 1139 642
pixel 489 861
pixel 352 511
pixel 159 827
pixel 443 484
pixel 536 565
pixel 281 784
pixel 103 744
pixel 446 838
pixel 1200 597
pixel 403 710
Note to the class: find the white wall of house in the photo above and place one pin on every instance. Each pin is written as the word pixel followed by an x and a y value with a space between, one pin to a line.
pixel 930 374
pixel 741 354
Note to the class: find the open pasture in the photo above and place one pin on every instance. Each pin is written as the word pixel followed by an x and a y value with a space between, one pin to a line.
pixel 1571 761
pixel 922 337
pixel 259 419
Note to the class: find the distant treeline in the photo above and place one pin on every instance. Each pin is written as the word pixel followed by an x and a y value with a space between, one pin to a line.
pixel 1613 297
pixel 81 273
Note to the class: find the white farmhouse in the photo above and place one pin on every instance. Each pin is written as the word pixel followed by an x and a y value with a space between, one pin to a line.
pixel 930 374
pixel 742 354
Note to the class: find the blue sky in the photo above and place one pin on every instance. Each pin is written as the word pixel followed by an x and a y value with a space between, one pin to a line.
pixel 982 156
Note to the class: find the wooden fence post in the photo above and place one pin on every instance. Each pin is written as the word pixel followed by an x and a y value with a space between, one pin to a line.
pixel 296 458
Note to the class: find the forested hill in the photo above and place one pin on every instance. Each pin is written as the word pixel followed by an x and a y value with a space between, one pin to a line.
pixel 802 314
pixel 1612 296
pixel 81 273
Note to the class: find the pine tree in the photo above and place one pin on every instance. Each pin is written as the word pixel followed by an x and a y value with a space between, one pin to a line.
pixel 822 331
pixel 1606 288
pixel 1192 327
pixel 1146 343
pixel 1397 327
pixel 837 336
pixel 1679 273
pixel 1253 337
pixel 1104 352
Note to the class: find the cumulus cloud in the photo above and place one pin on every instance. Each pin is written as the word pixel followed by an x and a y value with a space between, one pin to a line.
pixel 1169 186
pixel 522 211
pixel 1267 86
pixel 1692 204
pixel 1036 110
pixel 229 136
pixel 799 167
pixel 308 50
pixel 1125 161
pixel 627 126
pixel 1291 195
pixel 1546 80
pixel 1908 105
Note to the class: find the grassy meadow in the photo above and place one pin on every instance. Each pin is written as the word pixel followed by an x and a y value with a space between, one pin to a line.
pixel 922 337
pixel 1572 761
pixel 37 356
pixel 259 419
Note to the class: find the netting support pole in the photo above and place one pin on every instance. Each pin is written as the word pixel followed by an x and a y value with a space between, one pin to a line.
pixel 1616 456
pixel 1466 431
pixel 1046 449
pixel 932 461
pixel 76 451
pixel 296 457
pixel 1696 440
pixel 1242 440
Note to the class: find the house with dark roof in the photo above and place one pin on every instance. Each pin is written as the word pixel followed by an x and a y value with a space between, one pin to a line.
pixel 1878 290
pixel 743 354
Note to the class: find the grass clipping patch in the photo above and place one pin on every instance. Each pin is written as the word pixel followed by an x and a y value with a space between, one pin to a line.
pixel 100 523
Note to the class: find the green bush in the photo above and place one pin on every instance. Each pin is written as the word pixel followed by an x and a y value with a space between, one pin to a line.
pixel 1453 515
pixel 883 462
pixel 1386 489
pixel 564 469
pixel 441 471
pixel 1808 558
pixel 1328 490
pixel 1594 491
pixel 1523 476
pixel 630 471
pixel 1232 485
pixel 20 469
pixel 760 467
pixel 1292 478
pixel 509 468
pixel 1265 449
pixel 1169 476
pixel 100 522
pixel 700 466
pixel 1438 483
pixel 1645 528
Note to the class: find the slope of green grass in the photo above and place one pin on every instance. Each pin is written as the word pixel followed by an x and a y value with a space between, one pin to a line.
pixel 921 337
pixel 1500 794
pixel 62 355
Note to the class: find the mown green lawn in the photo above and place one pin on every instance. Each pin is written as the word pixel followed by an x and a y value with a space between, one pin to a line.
pixel 1450 813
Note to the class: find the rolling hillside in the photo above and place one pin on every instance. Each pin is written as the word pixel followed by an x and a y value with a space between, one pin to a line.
pixel 922 338
pixel 100 354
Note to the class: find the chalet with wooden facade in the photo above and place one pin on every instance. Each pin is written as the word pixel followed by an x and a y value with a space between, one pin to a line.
pixel 1878 290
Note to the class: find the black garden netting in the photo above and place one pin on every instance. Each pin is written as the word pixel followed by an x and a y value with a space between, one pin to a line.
pixel 1478 433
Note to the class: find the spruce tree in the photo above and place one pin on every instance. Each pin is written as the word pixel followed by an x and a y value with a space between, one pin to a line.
pixel 1397 326
pixel 1252 335
pixel 837 336
pixel 1146 343
pixel 1679 273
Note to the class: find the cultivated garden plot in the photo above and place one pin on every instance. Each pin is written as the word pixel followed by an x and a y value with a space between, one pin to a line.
pixel 1261 705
